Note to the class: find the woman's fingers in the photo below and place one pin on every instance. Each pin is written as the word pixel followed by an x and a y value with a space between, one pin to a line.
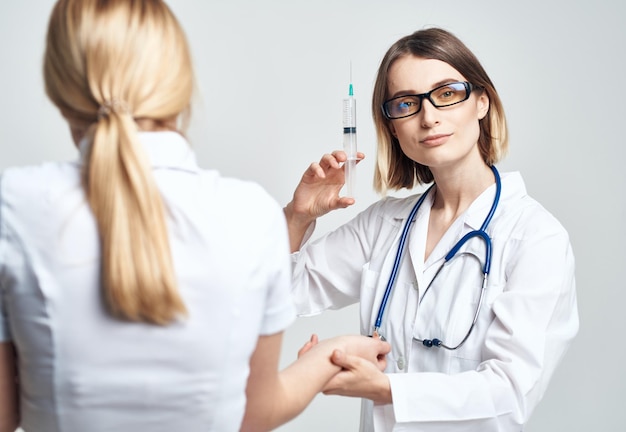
pixel 308 345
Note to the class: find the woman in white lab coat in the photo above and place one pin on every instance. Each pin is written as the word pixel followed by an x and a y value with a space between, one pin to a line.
pixel 460 360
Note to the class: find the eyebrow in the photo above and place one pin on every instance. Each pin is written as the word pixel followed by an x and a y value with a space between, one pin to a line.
pixel 435 85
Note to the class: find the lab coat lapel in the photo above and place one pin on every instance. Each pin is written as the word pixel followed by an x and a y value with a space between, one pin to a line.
pixel 479 209
pixel 471 220
pixel 417 239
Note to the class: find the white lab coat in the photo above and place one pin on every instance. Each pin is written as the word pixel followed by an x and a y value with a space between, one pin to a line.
pixel 526 323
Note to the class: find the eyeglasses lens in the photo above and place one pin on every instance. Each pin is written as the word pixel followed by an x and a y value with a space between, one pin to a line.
pixel 449 94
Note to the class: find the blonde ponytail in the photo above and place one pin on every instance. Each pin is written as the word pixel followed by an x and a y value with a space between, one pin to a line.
pixel 106 65
pixel 137 270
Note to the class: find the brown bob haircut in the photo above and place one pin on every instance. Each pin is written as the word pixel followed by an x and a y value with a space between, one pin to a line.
pixel 394 170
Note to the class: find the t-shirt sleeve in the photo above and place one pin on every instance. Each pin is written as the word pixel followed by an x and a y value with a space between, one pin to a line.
pixel 280 310
pixel 266 239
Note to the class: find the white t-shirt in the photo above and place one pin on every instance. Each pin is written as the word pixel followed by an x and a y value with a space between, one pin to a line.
pixel 82 370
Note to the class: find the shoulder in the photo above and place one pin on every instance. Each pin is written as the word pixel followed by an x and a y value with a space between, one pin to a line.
pixel 394 206
pixel 390 209
pixel 33 178
pixel 240 194
pixel 241 201
pixel 32 196
pixel 35 184
pixel 380 220
pixel 523 216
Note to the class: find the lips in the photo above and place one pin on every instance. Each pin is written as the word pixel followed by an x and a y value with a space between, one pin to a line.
pixel 435 140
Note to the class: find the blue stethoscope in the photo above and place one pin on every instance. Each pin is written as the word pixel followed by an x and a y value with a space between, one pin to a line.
pixel 476 233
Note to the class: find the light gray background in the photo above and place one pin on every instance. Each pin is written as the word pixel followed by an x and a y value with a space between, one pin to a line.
pixel 558 65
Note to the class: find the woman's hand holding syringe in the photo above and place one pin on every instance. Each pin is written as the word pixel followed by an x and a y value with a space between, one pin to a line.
pixel 317 194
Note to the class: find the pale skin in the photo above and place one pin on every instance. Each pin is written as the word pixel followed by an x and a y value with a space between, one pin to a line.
pixel 9 407
pixel 273 396
pixel 444 139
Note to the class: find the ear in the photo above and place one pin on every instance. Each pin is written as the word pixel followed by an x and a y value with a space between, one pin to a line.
pixel 483 105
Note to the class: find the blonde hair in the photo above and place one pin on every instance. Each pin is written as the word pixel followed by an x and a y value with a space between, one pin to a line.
pixel 106 65
pixel 394 170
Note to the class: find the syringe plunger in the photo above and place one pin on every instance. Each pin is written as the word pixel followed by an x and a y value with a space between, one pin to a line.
pixel 349 140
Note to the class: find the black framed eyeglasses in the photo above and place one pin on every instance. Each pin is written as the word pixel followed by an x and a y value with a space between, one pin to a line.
pixel 442 96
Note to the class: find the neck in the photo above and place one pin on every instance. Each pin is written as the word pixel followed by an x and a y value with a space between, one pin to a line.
pixel 79 129
pixel 152 125
pixel 456 191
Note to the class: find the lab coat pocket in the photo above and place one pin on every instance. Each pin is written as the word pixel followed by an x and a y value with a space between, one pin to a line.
pixel 469 355
pixel 369 298
pixel 453 301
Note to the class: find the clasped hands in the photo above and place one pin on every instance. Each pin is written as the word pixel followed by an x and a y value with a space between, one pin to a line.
pixel 362 362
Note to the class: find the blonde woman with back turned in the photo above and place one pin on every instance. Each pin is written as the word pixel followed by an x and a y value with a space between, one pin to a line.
pixel 137 291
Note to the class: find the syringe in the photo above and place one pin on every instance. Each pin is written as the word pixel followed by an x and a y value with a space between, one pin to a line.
pixel 349 141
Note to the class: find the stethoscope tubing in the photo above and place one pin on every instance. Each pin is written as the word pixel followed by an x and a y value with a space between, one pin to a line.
pixel 480 232
pixel 396 263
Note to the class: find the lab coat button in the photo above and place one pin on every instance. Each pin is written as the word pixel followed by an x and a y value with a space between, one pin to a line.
pixel 415 286
pixel 400 363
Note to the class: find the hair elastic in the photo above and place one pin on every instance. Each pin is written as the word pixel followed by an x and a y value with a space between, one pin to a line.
pixel 113 106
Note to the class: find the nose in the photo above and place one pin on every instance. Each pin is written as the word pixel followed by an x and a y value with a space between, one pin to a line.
pixel 429 114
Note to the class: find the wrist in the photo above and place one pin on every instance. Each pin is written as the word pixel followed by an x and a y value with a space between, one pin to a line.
pixel 384 395
pixel 297 219
pixel 325 349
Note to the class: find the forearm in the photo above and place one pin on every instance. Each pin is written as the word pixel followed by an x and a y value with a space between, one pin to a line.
pixel 302 380
pixel 9 407
pixel 482 399
pixel 273 397
pixel 297 226
pixel 381 391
